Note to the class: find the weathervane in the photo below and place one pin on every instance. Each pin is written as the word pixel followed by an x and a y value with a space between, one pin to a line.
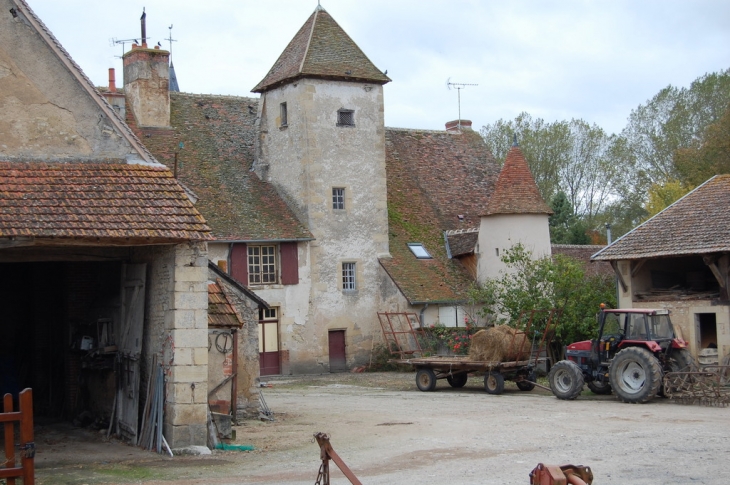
pixel 170 40
pixel 458 87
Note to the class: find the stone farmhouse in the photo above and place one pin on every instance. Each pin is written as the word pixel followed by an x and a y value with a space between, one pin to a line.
pixel 328 215
pixel 103 255
pixel 679 260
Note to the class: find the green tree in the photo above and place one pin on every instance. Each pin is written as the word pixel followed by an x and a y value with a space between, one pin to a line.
pixel 706 157
pixel 565 227
pixel 559 282
pixel 663 195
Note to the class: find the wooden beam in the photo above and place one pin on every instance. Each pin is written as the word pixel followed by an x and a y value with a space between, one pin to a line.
pixel 637 267
pixel 614 265
pixel 711 263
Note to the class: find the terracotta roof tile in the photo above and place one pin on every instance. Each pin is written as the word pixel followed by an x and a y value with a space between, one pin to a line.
pixel 433 177
pixel 462 241
pixel 583 254
pixel 221 312
pixel 698 223
pixel 218 134
pixel 95 200
pixel 516 191
pixel 322 49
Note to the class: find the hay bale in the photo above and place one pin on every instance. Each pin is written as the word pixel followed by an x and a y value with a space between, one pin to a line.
pixel 501 343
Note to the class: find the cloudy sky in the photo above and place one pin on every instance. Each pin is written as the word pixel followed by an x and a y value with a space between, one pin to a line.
pixel 555 59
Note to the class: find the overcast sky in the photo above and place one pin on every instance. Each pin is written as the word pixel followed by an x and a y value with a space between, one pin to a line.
pixel 557 60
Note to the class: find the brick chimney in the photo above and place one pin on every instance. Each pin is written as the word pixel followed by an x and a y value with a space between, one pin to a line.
pixel 147 85
pixel 114 97
pixel 458 125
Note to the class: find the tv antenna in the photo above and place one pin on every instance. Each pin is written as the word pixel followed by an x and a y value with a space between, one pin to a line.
pixel 458 87
pixel 143 23
pixel 170 40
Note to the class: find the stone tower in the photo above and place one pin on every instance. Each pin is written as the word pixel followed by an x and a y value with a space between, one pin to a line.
pixel 322 145
pixel 516 213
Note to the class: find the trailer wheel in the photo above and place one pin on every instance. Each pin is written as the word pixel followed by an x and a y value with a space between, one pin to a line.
pixel 457 380
pixel 493 382
pixel 524 385
pixel 635 375
pixel 425 379
pixel 566 380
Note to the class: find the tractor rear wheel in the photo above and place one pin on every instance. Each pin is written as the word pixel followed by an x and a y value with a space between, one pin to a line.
pixel 493 382
pixel 457 380
pixel 566 380
pixel 635 375
pixel 425 379
pixel 680 360
pixel 598 387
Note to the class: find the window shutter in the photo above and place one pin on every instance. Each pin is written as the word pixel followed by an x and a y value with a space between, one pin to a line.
pixel 289 263
pixel 239 263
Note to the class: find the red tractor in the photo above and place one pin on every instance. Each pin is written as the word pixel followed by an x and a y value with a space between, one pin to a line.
pixel 634 349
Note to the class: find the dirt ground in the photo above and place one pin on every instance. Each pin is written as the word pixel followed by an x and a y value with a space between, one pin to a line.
pixel 388 432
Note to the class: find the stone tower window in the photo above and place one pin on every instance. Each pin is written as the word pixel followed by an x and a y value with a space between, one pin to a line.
pixel 338 198
pixel 283 115
pixel 348 277
pixel 345 117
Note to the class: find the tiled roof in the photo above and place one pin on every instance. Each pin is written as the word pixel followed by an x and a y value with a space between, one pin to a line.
pixel 583 254
pixel 462 241
pixel 218 136
pixel 321 49
pixel 109 202
pixel 516 191
pixel 698 223
pixel 221 312
pixel 433 177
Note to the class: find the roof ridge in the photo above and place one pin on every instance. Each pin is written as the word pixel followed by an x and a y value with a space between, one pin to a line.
pixel 453 232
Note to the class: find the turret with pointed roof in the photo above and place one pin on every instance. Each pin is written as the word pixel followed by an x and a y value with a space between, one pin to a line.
pixel 515 214
pixel 321 49
pixel 516 191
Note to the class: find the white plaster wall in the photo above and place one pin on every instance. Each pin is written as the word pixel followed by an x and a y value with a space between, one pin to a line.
pixel 305 160
pixel 219 252
pixel 500 232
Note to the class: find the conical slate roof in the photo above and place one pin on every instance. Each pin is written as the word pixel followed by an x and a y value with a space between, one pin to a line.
pixel 321 49
pixel 516 191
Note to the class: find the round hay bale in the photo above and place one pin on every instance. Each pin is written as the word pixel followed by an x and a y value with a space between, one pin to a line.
pixel 501 343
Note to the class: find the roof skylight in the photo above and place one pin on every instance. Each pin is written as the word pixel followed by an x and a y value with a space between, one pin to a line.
pixel 419 251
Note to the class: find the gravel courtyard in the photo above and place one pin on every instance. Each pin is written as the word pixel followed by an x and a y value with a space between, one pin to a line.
pixel 388 432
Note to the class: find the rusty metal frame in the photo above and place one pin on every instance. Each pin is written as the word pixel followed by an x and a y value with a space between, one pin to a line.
pixel 393 326
pixel 708 387
pixel 327 453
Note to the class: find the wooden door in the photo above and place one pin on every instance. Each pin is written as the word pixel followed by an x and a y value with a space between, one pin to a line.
pixel 269 342
pixel 130 350
pixel 338 361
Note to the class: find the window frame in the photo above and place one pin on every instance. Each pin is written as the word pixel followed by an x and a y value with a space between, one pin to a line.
pixel 343 112
pixel 283 115
pixel 338 199
pixel 261 274
pixel 415 252
pixel 348 276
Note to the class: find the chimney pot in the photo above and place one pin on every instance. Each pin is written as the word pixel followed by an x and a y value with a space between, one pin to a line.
pixel 112 81
pixel 456 125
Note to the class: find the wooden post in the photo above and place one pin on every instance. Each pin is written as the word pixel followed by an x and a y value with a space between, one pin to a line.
pixel 26 436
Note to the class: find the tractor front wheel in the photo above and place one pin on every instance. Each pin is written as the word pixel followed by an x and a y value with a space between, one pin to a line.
pixel 566 380
pixel 635 375
pixel 527 383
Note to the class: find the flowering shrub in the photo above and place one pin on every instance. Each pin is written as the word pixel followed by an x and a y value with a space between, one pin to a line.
pixel 455 340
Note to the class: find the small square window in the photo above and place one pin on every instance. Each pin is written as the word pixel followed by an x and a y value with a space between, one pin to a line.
pixel 283 114
pixel 345 117
pixel 419 251
pixel 348 277
pixel 338 198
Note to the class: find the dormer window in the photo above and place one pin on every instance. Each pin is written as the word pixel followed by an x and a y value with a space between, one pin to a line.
pixel 345 117
pixel 419 251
